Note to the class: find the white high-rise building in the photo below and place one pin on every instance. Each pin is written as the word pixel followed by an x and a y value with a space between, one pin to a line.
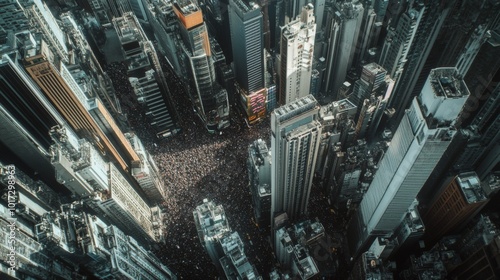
pixel 419 142
pixel 295 142
pixel 296 56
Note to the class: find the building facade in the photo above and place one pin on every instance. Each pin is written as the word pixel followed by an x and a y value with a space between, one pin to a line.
pixel 294 145
pixel 418 144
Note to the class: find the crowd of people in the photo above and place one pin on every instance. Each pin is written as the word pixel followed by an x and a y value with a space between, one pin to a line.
pixel 196 165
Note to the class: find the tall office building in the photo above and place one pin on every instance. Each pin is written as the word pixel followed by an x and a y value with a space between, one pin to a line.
pixel 259 175
pixel 431 21
pixel 87 69
pixel 482 151
pixel 163 22
pixel 296 57
pixel 418 144
pixel 28 259
pixel 342 32
pixel 370 95
pixel 26 116
pixel 12 16
pixel 210 101
pixel 61 89
pixel 147 174
pixel 292 248
pixel 295 142
pixel 146 75
pixel 398 41
pixel 459 201
pixel 247 42
pixel 42 20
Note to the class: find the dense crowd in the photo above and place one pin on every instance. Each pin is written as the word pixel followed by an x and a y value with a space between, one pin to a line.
pixel 196 165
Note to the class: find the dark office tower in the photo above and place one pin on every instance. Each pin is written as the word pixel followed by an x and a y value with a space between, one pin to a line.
pixel 64 93
pixel 26 117
pixel 370 95
pixel 138 7
pixel 430 23
pixel 398 42
pixel 368 31
pixel 296 57
pixel 380 8
pixel 247 43
pixel 210 103
pixel 463 33
pixel 483 76
pixel 460 199
pixel 294 145
pixel 342 32
pixel 146 76
pixel 417 146
pixel 163 22
pixel 482 151
pixel 259 175
pixel 482 264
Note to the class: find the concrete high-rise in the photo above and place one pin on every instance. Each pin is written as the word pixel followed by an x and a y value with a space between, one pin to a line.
pixel 259 175
pixel 296 57
pixel 398 41
pixel 295 142
pixel 342 32
pixel 146 76
pixel 431 21
pixel 418 144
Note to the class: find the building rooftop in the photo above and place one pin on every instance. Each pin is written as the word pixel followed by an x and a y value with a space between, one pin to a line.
pixel 471 187
pixel 446 82
pixel 211 220
pixel 295 108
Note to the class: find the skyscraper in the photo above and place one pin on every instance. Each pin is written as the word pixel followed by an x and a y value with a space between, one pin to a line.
pixel 296 57
pixel 247 44
pixel 461 198
pixel 342 32
pixel 146 76
pixel 66 96
pixel 420 140
pixel 398 41
pixel 294 144
pixel 210 101
pixel 259 175
pixel 431 21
